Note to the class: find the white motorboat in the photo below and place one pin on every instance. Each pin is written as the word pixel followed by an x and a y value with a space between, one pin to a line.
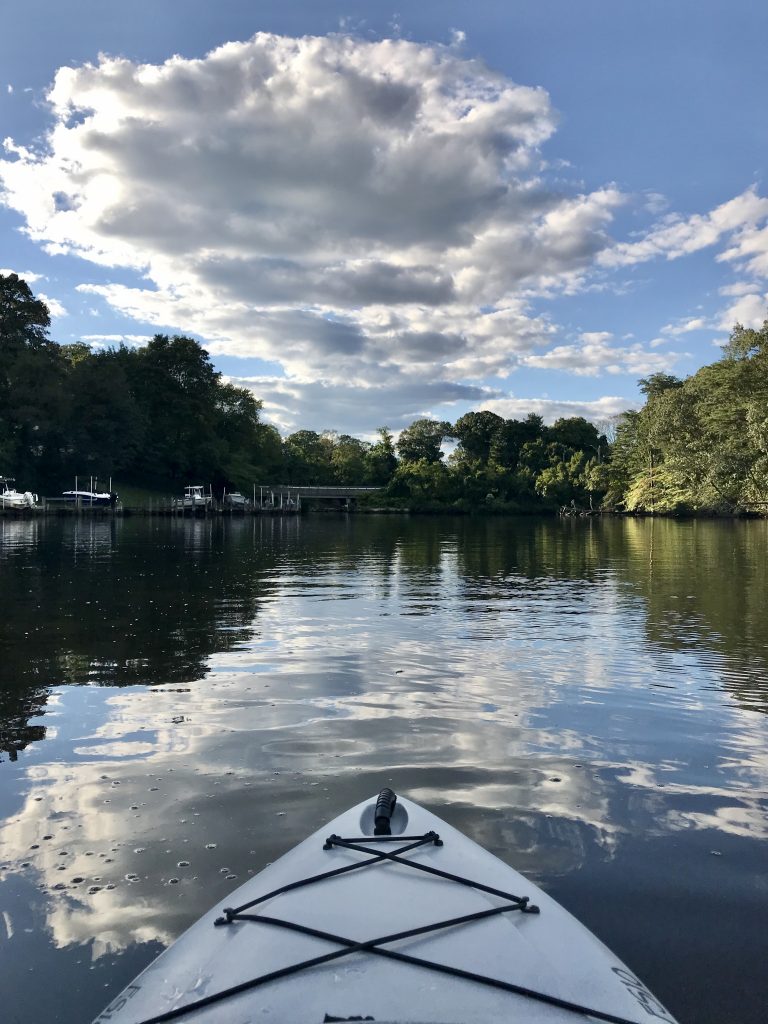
pixel 87 498
pixel 195 497
pixel 11 498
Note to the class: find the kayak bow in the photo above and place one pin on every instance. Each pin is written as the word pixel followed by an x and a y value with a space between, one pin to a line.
pixel 389 914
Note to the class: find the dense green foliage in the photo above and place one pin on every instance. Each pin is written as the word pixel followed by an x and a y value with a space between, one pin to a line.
pixel 699 445
pixel 156 414
pixel 163 415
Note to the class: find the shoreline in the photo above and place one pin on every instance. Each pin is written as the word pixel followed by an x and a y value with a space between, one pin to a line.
pixel 102 512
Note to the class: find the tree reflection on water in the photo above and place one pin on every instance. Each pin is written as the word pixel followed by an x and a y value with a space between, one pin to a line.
pixel 116 603
pixel 187 699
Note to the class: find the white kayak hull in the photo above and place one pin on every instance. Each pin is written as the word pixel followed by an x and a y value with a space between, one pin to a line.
pixel 545 964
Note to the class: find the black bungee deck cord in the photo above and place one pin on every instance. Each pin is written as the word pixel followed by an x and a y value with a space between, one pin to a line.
pixel 374 946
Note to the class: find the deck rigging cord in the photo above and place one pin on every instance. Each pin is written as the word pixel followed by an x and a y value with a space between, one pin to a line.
pixel 375 946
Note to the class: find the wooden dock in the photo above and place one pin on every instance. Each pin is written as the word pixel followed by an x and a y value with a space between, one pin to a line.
pixel 267 500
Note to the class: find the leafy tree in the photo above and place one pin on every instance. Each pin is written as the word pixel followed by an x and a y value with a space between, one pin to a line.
pixel 422 480
pixel 534 425
pixel 536 455
pixel 24 320
pixel 269 453
pixel 33 400
pixel 511 436
pixel 756 485
pixel 348 460
pixel 35 414
pixel 422 440
pixel 554 482
pixel 697 444
pixel 105 428
pixel 307 457
pixel 576 433
pixel 381 460
pixel 627 459
pixel 745 342
pixel 176 387
pixel 595 480
pixel 472 474
pixel 240 431
pixel 476 432
pixel 658 383
pixel 76 352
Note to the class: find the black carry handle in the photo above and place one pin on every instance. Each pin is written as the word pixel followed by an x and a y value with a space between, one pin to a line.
pixel 385 808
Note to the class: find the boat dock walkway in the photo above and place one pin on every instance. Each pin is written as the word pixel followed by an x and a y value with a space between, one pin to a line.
pixel 272 499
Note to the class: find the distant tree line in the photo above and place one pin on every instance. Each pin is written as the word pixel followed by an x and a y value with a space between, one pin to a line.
pixel 156 414
pixel 161 415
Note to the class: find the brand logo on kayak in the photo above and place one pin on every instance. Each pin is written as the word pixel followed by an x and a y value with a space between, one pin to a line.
pixel 119 1003
pixel 636 988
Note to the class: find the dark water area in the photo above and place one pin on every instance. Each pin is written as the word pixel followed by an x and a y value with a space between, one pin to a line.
pixel 181 702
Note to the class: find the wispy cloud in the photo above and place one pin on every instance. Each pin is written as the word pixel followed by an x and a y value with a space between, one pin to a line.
pixel 740 219
pixel 697 323
pixel 598 411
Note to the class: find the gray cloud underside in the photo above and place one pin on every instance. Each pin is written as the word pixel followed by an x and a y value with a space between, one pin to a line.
pixel 266 281
pixel 317 405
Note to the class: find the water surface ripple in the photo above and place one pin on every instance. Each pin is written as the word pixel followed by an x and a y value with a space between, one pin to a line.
pixel 180 702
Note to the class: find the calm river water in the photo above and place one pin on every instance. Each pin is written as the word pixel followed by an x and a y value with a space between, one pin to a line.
pixel 180 702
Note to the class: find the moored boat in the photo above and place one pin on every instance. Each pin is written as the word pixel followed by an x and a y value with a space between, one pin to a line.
pixel 194 498
pixel 389 914
pixel 11 498
pixel 91 498
pixel 235 501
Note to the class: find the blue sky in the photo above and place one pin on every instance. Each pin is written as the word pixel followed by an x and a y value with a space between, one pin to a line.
pixel 520 206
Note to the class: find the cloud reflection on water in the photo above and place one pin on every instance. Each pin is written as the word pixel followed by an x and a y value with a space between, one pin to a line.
pixel 510 677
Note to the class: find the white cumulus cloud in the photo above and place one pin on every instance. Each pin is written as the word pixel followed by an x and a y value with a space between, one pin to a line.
pixel 697 323
pixel 595 356
pixel 355 211
pixel 599 410
pixel 749 310
pixel 359 214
